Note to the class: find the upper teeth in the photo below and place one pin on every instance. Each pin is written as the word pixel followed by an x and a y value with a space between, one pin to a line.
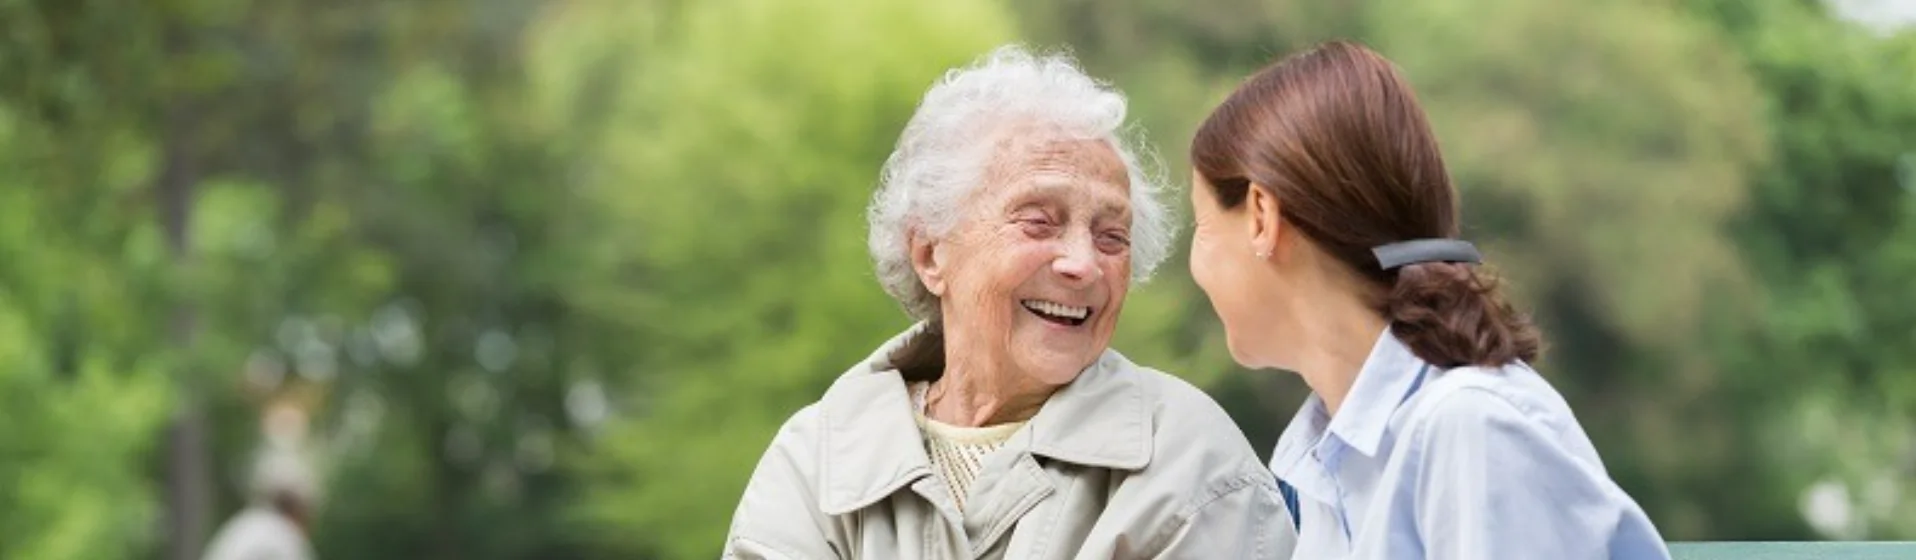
pixel 1059 310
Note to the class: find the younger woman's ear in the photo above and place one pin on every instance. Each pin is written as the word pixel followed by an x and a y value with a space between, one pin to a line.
pixel 1266 221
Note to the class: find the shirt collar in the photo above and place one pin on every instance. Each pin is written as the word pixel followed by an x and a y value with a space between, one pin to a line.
pixel 1388 375
pixel 1387 378
pixel 872 448
pixel 1299 438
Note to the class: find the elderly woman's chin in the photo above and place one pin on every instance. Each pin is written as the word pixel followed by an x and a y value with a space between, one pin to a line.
pixel 1055 353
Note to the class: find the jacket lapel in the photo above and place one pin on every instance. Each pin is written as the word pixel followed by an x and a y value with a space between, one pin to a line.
pixel 871 446
pixel 1009 486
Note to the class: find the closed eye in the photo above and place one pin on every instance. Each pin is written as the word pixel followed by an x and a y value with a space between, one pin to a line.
pixel 1039 227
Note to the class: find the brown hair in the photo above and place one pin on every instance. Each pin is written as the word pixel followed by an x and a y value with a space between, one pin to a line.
pixel 1336 134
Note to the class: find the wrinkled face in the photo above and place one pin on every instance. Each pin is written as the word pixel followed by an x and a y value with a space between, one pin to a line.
pixel 1033 275
pixel 1225 264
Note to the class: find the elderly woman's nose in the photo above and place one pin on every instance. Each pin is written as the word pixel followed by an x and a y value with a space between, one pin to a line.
pixel 1077 259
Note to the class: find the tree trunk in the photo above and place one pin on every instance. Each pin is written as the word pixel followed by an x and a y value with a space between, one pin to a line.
pixel 189 488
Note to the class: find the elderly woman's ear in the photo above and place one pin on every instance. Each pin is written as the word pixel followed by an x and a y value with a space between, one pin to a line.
pixel 928 261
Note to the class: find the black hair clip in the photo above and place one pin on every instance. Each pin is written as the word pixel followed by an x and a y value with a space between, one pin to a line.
pixel 1405 253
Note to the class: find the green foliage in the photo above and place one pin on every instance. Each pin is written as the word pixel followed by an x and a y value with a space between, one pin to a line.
pixel 72 479
pixel 82 382
pixel 1830 234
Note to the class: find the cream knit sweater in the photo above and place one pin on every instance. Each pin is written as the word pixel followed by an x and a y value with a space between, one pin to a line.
pixel 957 452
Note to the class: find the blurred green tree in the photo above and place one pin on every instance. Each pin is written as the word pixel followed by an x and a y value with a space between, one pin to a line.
pixel 83 382
pixel 1823 371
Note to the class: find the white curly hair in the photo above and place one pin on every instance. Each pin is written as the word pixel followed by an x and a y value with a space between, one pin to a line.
pixel 946 148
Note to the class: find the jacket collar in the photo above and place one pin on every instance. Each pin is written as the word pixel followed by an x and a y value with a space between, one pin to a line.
pixel 1102 419
pixel 871 446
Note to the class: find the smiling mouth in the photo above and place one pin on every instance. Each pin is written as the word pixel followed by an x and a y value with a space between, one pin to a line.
pixel 1067 315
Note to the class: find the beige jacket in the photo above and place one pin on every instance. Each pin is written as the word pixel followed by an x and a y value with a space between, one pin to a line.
pixel 1125 462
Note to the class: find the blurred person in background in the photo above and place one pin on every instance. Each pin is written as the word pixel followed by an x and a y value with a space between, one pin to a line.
pixel 1327 243
pixel 1011 220
pixel 277 523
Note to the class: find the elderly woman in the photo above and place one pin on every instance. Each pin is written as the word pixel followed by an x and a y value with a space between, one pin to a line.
pixel 1011 220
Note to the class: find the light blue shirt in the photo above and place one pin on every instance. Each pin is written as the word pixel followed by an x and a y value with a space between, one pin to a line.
pixel 1468 463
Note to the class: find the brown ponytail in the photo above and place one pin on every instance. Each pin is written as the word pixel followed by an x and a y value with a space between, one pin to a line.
pixel 1452 314
pixel 1336 134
